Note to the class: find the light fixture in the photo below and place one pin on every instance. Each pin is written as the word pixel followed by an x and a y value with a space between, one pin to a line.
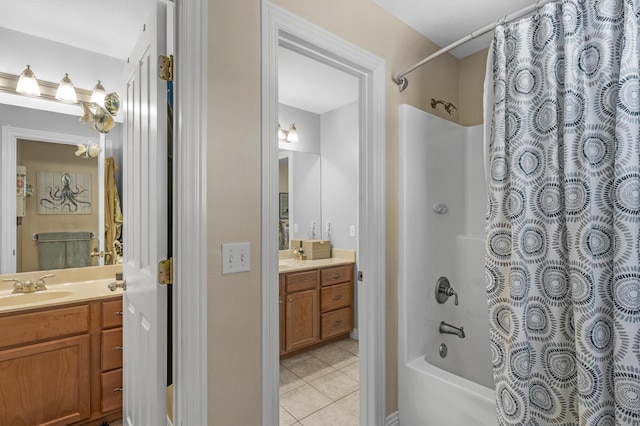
pixel 290 135
pixel 448 106
pixel 98 94
pixel 66 92
pixel 27 84
pixel 90 150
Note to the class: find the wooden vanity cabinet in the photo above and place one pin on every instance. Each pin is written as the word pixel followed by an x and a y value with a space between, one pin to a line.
pixel 318 307
pixel 111 356
pixel 336 301
pixel 301 311
pixel 50 366
pixel 45 366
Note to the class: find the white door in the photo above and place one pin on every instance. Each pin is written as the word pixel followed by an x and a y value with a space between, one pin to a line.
pixel 145 229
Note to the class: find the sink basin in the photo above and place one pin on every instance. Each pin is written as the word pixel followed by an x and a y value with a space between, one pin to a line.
pixel 35 297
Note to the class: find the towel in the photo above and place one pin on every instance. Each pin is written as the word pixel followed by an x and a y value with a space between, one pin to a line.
pixel 112 212
pixel 60 250
pixel 51 250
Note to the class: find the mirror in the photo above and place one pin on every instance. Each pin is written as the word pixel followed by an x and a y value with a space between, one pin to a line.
pixel 44 152
pixel 300 179
pixel 50 207
pixel 52 123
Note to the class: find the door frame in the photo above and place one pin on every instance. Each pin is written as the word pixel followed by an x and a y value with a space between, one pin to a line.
pixel 280 27
pixel 190 383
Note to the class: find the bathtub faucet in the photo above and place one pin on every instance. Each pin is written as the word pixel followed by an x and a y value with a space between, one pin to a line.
pixel 450 329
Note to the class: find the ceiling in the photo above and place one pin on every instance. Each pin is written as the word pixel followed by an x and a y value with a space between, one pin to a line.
pixel 446 21
pixel 107 27
pixel 112 27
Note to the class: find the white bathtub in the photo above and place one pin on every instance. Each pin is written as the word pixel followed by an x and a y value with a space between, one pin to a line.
pixel 441 163
pixel 434 397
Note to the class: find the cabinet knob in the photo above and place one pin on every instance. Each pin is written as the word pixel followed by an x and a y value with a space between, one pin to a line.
pixel 118 313
pixel 117 348
pixel 337 297
pixel 290 300
pixel 117 390
pixel 337 323
pixel 336 275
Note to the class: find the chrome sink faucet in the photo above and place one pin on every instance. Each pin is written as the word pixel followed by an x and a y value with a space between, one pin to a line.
pixel 446 328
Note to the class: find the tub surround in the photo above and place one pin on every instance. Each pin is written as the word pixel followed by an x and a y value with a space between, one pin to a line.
pixel 441 163
pixel 66 287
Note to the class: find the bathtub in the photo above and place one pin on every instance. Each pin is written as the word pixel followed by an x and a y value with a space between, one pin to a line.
pixel 441 234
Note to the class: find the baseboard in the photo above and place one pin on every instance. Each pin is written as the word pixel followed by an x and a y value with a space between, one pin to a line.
pixel 393 419
pixel 354 334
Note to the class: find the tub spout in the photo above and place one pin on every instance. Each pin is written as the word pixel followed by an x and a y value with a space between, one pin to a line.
pixel 450 329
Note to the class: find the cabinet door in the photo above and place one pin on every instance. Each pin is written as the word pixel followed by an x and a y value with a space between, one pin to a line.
pixel 46 383
pixel 302 319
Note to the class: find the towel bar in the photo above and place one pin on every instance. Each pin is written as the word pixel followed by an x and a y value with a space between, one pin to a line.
pixel 34 237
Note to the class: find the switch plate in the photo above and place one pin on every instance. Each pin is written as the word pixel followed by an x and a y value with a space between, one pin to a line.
pixel 236 257
pixel 352 231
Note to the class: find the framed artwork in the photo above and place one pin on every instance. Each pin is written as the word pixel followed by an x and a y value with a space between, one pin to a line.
pixel 63 192
pixel 284 205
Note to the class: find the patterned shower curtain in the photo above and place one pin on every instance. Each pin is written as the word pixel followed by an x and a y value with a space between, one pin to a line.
pixel 563 217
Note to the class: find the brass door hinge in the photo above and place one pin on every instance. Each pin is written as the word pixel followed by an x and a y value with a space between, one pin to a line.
pixel 165 70
pixel 165 271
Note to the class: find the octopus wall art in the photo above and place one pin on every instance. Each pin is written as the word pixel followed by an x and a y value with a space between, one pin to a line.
pixel 64 193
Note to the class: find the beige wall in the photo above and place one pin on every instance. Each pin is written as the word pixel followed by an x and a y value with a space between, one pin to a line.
pixel 234 175
pixel 43 156
pixel 472 71
pixel 233 211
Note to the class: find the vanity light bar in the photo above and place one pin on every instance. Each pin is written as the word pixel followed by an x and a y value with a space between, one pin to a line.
pixel 8 83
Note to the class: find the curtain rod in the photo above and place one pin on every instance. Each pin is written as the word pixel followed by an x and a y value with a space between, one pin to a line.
pixel 402 81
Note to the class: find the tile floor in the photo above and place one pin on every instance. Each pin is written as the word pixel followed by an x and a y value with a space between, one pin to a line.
pixel 321 387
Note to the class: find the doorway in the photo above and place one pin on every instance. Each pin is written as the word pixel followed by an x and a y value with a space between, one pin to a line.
pixel 318 199
pixel 284 30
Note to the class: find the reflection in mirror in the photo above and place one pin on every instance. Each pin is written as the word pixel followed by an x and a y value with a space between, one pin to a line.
pixel 58 225
pixel 283 202
pixel 72 204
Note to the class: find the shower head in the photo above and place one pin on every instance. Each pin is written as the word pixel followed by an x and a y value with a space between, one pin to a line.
pixel 448 106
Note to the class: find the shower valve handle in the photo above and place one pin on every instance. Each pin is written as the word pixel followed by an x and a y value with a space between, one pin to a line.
pixel 444 291
pixel 452 292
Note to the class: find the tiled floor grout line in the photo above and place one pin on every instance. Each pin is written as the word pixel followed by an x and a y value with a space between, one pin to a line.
pixel 323 372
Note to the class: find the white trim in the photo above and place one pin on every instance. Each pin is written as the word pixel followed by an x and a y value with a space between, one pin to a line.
pixel 189 221
pixel 9 142
pixel 280 27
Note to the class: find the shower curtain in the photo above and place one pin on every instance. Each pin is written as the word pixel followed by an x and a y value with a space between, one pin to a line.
pixel 563 215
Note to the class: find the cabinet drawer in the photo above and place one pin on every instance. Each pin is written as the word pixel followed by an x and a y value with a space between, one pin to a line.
pixel 111 349
pixel 336 322
pixel 111 390
pixel 335 275
pixel 299 281
pixel 34 327
pixel 112 314
pixel 335 297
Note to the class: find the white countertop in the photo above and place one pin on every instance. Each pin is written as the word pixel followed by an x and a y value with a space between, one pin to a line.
pixel 58 292
pixel 338 257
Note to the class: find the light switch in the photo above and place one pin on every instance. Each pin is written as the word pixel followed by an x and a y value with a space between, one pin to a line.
pixel 352 231
pixel 236 257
